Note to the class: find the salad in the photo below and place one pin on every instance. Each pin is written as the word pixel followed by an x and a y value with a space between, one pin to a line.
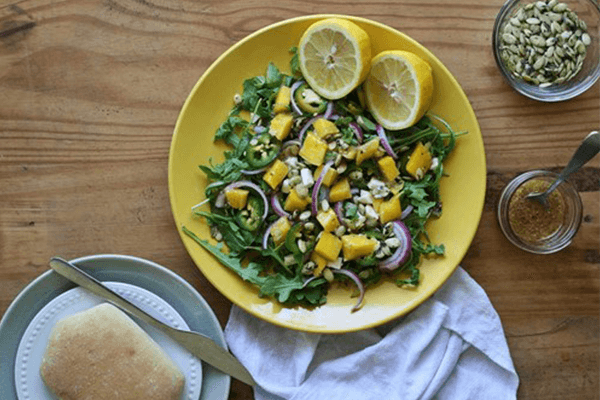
pixel 314 191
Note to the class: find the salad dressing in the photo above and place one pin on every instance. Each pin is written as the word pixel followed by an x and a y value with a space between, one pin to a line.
pixel 530 220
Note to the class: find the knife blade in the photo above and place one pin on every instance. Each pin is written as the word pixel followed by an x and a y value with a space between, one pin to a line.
pixel 199 345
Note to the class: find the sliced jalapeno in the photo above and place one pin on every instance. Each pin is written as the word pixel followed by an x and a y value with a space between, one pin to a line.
pixel 290 239
pixel 308 100
pixel 250 217
pixel 262 151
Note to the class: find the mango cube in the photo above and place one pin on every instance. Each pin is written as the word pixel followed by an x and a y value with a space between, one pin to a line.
pixel 390 210
pixel 324 128
pixel 313 150
pixel 320 261
pixel 388 168
pixel 377 204
pixel 282 101
pixel 419 161
pixel 328 220
pixel 329 177
pixel 276 173
pixel 294 202
pixel 237 198
pixel 355 246
pixel 281 125
pixel 328 246
pixel 280 229
pixel 367 150
pixel 340 191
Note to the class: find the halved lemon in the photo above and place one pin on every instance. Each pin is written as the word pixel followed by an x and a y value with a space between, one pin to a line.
pixel 398 88
pixel 335 57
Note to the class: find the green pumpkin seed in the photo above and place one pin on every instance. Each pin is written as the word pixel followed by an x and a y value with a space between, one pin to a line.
pixel 544 42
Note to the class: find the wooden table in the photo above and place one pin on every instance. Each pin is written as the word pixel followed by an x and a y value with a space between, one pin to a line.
pixel 89 95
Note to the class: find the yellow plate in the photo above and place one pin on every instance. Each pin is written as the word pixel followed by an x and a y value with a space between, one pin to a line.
pixel 207 107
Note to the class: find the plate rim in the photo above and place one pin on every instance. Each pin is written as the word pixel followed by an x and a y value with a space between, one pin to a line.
pixel 45 318
pixel 480 201
pixel 212 378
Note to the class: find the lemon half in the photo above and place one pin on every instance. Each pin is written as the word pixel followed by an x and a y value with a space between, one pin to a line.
pixel 398 88
pixel 335 57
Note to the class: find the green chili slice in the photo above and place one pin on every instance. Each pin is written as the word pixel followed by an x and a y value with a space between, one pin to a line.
pixel 262 153
pixel 250 217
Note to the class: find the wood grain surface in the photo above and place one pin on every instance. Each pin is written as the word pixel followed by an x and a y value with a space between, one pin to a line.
pixel 89 95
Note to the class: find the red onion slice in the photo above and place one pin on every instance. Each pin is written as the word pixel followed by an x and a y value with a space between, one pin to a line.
pixel 259 129
pixel 402 253
pixel 339 212
pixel 358 283
pixel 289 143
pixel 295 107
pixel 309 280
pixel 265 238
pixel 357 131
pixel 329 110
pixel 253 171
pixel 352 276
pixel 277 207
pixel 384 142
pixel 406 212
pixel 220 201
pixel 250 185
pixel 315 193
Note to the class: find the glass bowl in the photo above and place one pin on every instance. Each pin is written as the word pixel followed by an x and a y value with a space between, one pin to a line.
pixel 523 50
pixel 554 227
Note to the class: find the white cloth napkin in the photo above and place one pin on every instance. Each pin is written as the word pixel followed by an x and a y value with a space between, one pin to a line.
pixel 451 347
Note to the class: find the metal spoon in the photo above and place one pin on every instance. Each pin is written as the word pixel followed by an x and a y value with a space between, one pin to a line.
pixel 586 151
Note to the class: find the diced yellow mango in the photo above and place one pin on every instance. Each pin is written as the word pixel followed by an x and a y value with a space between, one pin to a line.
pixel 324 128
pixel 329 177
pixel 355 246
pixel 340 191
pixel 388 168
pixel 390 210
pixel 419 161
pixel 281 125
pixel 349 153
pixel 294 202
pixel 328 220
pixel 280 229
pixel 367 150
pixel 328 246
pixel 237 198
pixel 275 174
pixel 320 261
pixel 282 101
pixel 313 150
pixel 376 204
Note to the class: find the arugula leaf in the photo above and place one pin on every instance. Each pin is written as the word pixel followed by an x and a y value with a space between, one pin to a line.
pixel 295 62
pixel 227 171
pixel 277 286
pixel 228 129
pixel 237 239
pixel 274 77
pixel 251 273
pixel 280 286
pixel 366 123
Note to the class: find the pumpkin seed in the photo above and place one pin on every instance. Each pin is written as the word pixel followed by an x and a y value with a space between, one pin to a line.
pixel 547 37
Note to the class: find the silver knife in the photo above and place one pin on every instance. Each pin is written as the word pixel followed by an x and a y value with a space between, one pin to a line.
pixel 199 345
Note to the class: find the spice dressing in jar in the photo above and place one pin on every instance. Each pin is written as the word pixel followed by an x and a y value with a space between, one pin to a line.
pixel 528 224
pixel 529 219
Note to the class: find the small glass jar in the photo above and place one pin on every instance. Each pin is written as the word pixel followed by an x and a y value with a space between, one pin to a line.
pixel 533 227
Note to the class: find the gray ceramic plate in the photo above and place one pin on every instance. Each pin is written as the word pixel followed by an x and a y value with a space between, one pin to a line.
pixel 136 271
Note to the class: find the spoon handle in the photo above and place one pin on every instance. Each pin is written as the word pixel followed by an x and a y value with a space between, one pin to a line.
pixel 586 151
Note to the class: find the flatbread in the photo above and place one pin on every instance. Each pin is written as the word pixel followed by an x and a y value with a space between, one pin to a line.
pixel 102 354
